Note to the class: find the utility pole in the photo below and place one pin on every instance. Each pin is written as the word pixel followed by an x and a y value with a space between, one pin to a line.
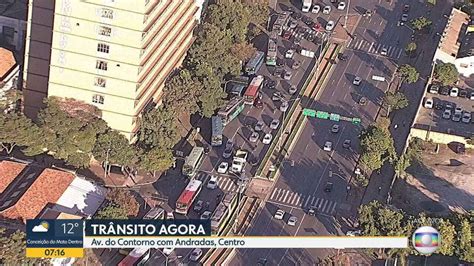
pixel 347 13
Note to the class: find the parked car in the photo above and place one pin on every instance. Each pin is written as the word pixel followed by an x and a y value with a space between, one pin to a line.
pixel 278 71
pixel 279 214
pixel 341 5
pixel 335 129
pixel 229 149
pixel 206 215
pixel 406 8
pixel 444 91
pixel 346 144
pixel 404 19
pixel 212 183
pixel 223 167
pixel 434 89
pixel 357 81
pixel 330 25
pixel 454 92
pixel 198 206
pixel 195 255
pixel 316 9
pixel 447 114
pixel 458 110
pixel 457 117
pixel 327 10
pixel 296 65
pixel 267 139
pixel 438 106
pixel 289 54
pixel 342 57
pixel 463 93
pixel 284 106
pixel 277 96
pixel 293 24
pixel 292 90
pixel 259 126
pixel 292 221
pixel 428 103
pixel 287 34
pixel 287 75
pixel 254 137
pixel 274 124
pixel 327 146
pixel 472 96
pixel 466 117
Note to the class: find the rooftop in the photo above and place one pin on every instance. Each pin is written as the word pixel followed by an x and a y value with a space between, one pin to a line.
pixel 467 45
pixel 454 32
pixel 17 9
pixel 7 62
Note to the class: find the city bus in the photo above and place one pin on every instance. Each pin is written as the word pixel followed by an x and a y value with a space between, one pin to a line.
pixel 217 131
pixel 272 51
pixel 232 109
pixel 138 256
pixel 188 196
pixel 193 161
pixel 254 64
pixel 223 213
pixel 253 90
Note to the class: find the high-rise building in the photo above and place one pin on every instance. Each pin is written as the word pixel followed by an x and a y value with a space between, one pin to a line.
pixel 114 54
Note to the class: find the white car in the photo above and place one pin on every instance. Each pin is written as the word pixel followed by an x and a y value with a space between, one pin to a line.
pixel 330 25
pixel 384 51
pixel 458 110
pixel 327 146
pixel 341 6
pixel 353 233
pixel 169 216
pixel 447 114
pixel 284 106
pixel 196 254
pixel 466 117
pixel 254 137
pixel 289 54
pixel 292 90
pixel 357 81
pixel 223 166
pixel 274 124
pixel 168 251
pixel 259 126
pixel 206 215
pixel 267 139
pixel 327 10
pixel 212 183
pixel 428 103
pixel 316 9
pixel 454 92
pixel 279 214
pixel 472 96
pixel 457 117
pixel 292 221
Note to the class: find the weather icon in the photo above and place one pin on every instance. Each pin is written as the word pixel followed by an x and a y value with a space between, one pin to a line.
pixel 41 228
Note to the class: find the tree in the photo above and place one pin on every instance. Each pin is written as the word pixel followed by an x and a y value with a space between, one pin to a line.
pixel 123 198
pixel 181 93
pixel 377 147
pixel 448 233
pixel 411 47
pixel 113 148
pixel 403 162
pixel 420 23
pixel 230 16
pixel 259 13
pixel 395 101
pixel 156 160
pixel 111 211
pixel 463 240
pixel 10 99
pixel 446 73
pixel 243 51
pixel 13 248
pixel 408 73
pixel 17 130
pixel 158 129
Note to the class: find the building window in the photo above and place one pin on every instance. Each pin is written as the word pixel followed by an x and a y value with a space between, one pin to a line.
pixel 105 31
pixel 98 99
pixel 103 48
pixel 100 82
pixel 102 65
pixel 107 13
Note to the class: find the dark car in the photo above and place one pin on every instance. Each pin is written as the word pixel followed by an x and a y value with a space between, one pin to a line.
pixel 342 57
pixel 406 8
pixel 198 206
pixel 328 187
pixel 306 20
pixel 297 41
pixel 280 62
pixel 278 72
pixel 311 37
pixel 463 94
pixel 287 35
pixel 438 106
pixel 296 15
pixel 271 84
pixel 258 103
pixel 444 91
pixel 316 26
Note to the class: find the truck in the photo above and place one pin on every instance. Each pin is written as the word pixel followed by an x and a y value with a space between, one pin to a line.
pixel 306 5
pixel 239 161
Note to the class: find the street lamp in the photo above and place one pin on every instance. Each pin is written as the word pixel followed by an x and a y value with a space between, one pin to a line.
pixel 347 13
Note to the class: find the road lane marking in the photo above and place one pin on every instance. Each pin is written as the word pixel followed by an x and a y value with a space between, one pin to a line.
pixel 289 198
pixel 320 204
pixel 371 46
pixel 324 206
pixel 281 196
pixel 274 191
pixel 360 44
pixel 293 207
pixel 333 208
pixel 399 54
pixel 389 49
pixel 307 200
pixel 286 195
pixel 298 199
pixel 377 48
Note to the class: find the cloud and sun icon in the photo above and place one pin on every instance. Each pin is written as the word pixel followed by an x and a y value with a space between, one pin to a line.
pixel 41 228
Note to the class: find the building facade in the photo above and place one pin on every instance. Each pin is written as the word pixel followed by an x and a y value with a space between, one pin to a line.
pixel 13 23
pixel 113 54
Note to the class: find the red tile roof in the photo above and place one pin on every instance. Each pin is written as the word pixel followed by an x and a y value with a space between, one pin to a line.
pixel 7 61
pixel 47 188
pixel 8 172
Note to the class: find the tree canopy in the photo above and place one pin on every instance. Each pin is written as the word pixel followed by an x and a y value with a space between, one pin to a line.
pixel 18 130
pixel 411 47
pixel 395 101
pixel 377 147
pixel 13 249
pixel 111 211
pixel 124 198
pixel 420 23
pixel 408 73
pixel 446 73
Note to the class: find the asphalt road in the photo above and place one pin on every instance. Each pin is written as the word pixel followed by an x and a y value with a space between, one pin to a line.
pixel 303 184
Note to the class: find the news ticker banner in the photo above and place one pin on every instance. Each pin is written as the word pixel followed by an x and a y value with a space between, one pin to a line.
pixel 68 238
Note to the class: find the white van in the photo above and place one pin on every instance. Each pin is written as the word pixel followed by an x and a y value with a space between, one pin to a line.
pixel 306 5
pixel 378 78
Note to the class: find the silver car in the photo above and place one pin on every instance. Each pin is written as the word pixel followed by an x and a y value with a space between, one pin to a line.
pixel 254 137
pixel 259 126
pixel 274 124
pixel 284 106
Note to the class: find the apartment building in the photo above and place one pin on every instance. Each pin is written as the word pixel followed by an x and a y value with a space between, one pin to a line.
pixel 114 54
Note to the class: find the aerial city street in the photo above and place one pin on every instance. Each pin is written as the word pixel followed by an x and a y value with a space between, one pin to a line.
pixel 268 118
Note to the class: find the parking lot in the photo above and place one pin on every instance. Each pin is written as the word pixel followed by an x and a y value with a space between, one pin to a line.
pixel 448 113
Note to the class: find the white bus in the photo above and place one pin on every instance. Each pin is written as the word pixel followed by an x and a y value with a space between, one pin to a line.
pixel 193 161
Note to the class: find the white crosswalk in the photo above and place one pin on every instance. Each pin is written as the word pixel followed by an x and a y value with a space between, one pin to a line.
pixel 375 48
pixel 223 182
pixel 287 197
